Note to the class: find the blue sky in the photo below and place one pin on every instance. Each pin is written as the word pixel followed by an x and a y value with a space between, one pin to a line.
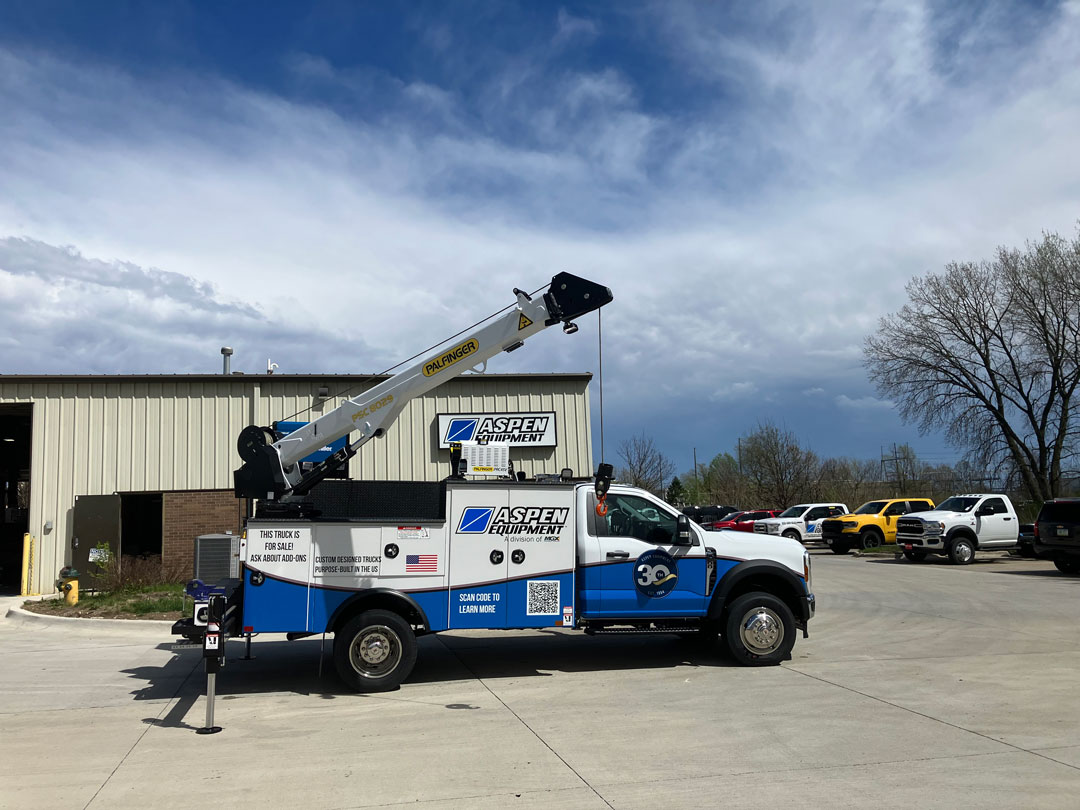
pixel 338 185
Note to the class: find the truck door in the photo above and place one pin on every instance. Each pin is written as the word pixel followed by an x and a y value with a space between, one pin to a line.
pixel 542 550
pixel 642 573
pixel 479 558
pixel 996 526
pixel 893 513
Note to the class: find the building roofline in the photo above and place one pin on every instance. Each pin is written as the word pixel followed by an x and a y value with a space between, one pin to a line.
pixel 241 377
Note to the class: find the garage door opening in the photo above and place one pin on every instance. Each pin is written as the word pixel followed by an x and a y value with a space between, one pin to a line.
pixel 16 425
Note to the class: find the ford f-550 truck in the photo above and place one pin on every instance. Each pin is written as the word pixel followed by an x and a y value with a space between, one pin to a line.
pixel 378 563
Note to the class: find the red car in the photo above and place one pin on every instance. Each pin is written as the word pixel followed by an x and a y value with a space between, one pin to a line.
pixel 744 521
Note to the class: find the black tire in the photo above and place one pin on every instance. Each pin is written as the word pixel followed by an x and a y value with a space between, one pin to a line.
pixel 759 629
pixel 915 556
pixel 1069 565
pixel 375 651
pixel 869 538
pixel 794 535
pixel 962 551
pixel 839 547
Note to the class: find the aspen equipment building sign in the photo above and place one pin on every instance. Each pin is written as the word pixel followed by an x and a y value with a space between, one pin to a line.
pixel 516 429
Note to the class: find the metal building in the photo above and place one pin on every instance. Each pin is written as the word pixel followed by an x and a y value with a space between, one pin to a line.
pixel 161 449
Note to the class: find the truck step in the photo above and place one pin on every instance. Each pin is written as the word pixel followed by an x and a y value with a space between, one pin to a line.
pixel 627 631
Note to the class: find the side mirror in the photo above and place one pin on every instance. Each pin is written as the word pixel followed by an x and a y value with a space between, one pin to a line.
pixel 684 535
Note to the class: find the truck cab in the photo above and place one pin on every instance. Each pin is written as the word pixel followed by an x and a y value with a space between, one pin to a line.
pixel 801 522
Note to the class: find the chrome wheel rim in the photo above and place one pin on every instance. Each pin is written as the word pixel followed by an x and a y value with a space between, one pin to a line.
pixel 964 552
pixel 761 630
pixel 375 652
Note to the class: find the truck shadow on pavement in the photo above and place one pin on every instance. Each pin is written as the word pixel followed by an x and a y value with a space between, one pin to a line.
pixel 294 666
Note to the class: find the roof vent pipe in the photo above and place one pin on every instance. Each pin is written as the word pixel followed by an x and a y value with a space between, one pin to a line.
pixel 226 353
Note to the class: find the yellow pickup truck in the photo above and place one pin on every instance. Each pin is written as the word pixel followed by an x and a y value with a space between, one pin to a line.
pixel 872 524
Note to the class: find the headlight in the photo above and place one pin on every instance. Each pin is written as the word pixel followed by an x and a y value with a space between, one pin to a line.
pixel 850 524
pixel 774 529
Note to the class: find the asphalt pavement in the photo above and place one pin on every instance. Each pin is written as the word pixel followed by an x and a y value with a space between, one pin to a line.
pixel 921 685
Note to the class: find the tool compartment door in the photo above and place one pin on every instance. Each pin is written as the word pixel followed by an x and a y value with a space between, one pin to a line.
pixel 478 558
pixel 542 554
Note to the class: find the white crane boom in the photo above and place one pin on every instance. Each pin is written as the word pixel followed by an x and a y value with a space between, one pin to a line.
pixel 271 462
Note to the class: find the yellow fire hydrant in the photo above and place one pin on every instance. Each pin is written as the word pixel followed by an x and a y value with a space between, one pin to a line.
pixel 68 585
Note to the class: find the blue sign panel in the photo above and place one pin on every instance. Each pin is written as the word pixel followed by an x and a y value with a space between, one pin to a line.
pixel 323 452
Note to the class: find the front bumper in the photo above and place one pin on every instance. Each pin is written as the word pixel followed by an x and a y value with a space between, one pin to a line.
pixel 924 543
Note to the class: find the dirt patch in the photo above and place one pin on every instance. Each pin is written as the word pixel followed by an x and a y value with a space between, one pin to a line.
pixel 162 605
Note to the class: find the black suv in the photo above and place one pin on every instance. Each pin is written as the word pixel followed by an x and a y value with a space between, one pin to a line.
pixel 1057 534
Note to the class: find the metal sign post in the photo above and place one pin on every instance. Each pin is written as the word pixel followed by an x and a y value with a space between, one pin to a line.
pixel 214 654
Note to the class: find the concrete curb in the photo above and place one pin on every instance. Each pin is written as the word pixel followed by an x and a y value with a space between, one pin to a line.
pixel 18 614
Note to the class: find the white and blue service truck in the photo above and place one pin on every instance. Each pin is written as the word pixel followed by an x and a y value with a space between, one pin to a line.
pixel 378 563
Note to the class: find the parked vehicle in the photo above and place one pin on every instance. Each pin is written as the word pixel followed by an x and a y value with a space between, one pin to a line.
pixel 705 515
pixel 802 522
pixel 744 521
pixel 960 526
pixel 872 524
pixel 1057 534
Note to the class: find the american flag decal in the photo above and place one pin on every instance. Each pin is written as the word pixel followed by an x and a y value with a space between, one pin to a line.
pixel 419 563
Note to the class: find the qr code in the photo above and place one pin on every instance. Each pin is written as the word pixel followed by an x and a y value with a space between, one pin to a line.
pixel 543 598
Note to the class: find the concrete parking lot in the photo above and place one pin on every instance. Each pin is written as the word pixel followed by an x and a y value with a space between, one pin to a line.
pixel 921 685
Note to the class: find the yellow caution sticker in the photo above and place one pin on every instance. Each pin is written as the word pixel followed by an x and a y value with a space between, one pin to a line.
pixel 523 322
pixel 448 359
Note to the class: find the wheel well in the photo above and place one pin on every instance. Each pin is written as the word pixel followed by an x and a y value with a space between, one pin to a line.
pixel 393 602
pixel 964 532
pixel 873 530
pixel 767 583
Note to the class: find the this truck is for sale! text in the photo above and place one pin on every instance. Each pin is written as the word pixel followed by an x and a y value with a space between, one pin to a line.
pixel 378 563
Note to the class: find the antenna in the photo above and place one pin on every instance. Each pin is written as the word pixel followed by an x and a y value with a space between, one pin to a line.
pixel 270 366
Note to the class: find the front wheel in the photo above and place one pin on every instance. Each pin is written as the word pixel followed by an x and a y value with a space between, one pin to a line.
pixel 375 651
pixel 791 534
pixel 838 547
pixel 962 551
pixel 759 629
pixel 1069 565
pixel 869 539
pixel 915 556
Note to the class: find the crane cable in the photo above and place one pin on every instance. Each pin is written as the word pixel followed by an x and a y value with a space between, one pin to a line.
pixel 601 499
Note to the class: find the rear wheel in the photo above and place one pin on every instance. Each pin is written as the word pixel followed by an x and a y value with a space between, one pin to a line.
pixel 962 551
pixel 375 651
pixel 759 629
pixel 1069 565
pixel 915 556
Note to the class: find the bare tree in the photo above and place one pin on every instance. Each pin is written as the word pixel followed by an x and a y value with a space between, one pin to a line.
pixel 849 480
pixel 779 471
pixel 644 465
pixel 991 353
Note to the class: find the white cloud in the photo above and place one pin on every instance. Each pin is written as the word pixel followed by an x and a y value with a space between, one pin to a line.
pixel 864 403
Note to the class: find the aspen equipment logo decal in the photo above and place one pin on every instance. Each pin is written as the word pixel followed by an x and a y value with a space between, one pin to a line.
pixel 447 359
pixel 527 521
pixel 536 429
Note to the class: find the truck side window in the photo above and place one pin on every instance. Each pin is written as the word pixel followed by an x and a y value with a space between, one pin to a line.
pixel 994 506
pixel 817 513
pixel 835 511
pixel 897 509
pixel 631 516
pixel 920 506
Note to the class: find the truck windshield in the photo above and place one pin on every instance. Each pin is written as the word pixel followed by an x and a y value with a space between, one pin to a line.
pixel 958 504
pixel 794 511
pixel 871 508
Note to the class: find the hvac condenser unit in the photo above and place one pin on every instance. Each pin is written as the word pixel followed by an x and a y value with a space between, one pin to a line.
pixel 217 557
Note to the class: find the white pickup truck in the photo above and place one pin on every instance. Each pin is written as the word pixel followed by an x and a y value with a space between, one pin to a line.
pixel 802 522
pixel 960 526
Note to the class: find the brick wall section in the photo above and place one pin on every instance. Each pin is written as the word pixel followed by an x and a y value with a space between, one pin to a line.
pixel 188 514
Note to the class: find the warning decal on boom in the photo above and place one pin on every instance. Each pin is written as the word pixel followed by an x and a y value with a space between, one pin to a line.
pixel 523 322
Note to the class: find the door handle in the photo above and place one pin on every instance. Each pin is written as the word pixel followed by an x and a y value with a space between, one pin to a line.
pixel 1008 518
pixel 618 555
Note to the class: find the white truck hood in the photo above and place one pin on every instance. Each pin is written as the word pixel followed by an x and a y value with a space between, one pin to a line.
pixel 939 516
pixel 747 546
